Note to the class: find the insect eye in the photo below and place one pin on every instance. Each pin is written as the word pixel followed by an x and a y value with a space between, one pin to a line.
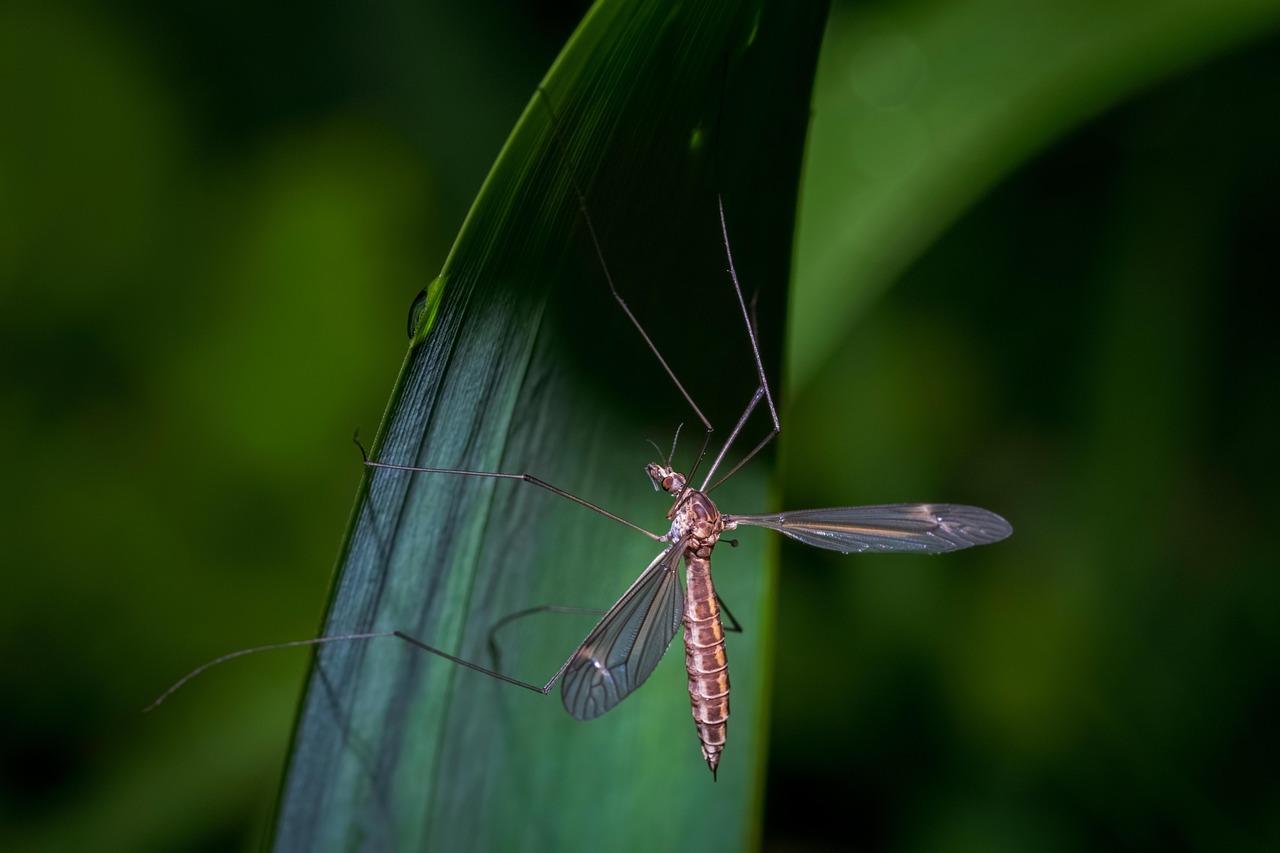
pixel 666 483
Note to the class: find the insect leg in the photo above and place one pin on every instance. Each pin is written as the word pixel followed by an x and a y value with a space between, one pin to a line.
pixel 525 478
pixel 544 689
pixel 530 611
pixel 726 614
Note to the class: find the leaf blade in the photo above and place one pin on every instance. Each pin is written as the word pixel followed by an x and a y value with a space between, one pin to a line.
pixel 398 750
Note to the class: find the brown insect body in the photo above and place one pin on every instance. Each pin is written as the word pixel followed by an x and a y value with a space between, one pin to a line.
pixel 697 523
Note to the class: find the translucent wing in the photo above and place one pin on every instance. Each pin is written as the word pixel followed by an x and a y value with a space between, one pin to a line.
pixel 921 528
pixel 625 647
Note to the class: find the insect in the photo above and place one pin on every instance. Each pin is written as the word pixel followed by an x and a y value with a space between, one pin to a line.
pixel 626 645
pixel 624 648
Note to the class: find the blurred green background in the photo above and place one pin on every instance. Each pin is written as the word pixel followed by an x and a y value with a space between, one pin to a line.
pixel 212 220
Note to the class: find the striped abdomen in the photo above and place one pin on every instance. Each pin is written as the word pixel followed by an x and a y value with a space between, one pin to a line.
pixel 704 656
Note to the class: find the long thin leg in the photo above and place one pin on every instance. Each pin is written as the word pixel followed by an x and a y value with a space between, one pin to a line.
pixel 761 391
pixel 315 641
pixel 544 689
pixel 525 478
pixel 530 611
pixel 744 460
pixel 746 318
pixel 742 421
pixel 733 627
pixel 595 242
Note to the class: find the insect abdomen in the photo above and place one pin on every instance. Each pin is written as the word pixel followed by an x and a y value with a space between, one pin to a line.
pixel 705 659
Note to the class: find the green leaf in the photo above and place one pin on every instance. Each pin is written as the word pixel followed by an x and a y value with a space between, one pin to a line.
pixel 522 362
pixel 922 107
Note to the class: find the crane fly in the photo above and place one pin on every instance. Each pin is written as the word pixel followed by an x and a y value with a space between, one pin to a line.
pixel 626 645
pixel 624 648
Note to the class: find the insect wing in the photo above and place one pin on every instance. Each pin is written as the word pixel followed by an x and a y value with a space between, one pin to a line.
pixel 918 528
pixel 625 647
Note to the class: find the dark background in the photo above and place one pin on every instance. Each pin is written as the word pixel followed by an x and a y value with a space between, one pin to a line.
pixel 194 191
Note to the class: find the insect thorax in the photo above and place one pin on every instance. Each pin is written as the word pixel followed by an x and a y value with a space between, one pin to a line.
pixel 696 516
